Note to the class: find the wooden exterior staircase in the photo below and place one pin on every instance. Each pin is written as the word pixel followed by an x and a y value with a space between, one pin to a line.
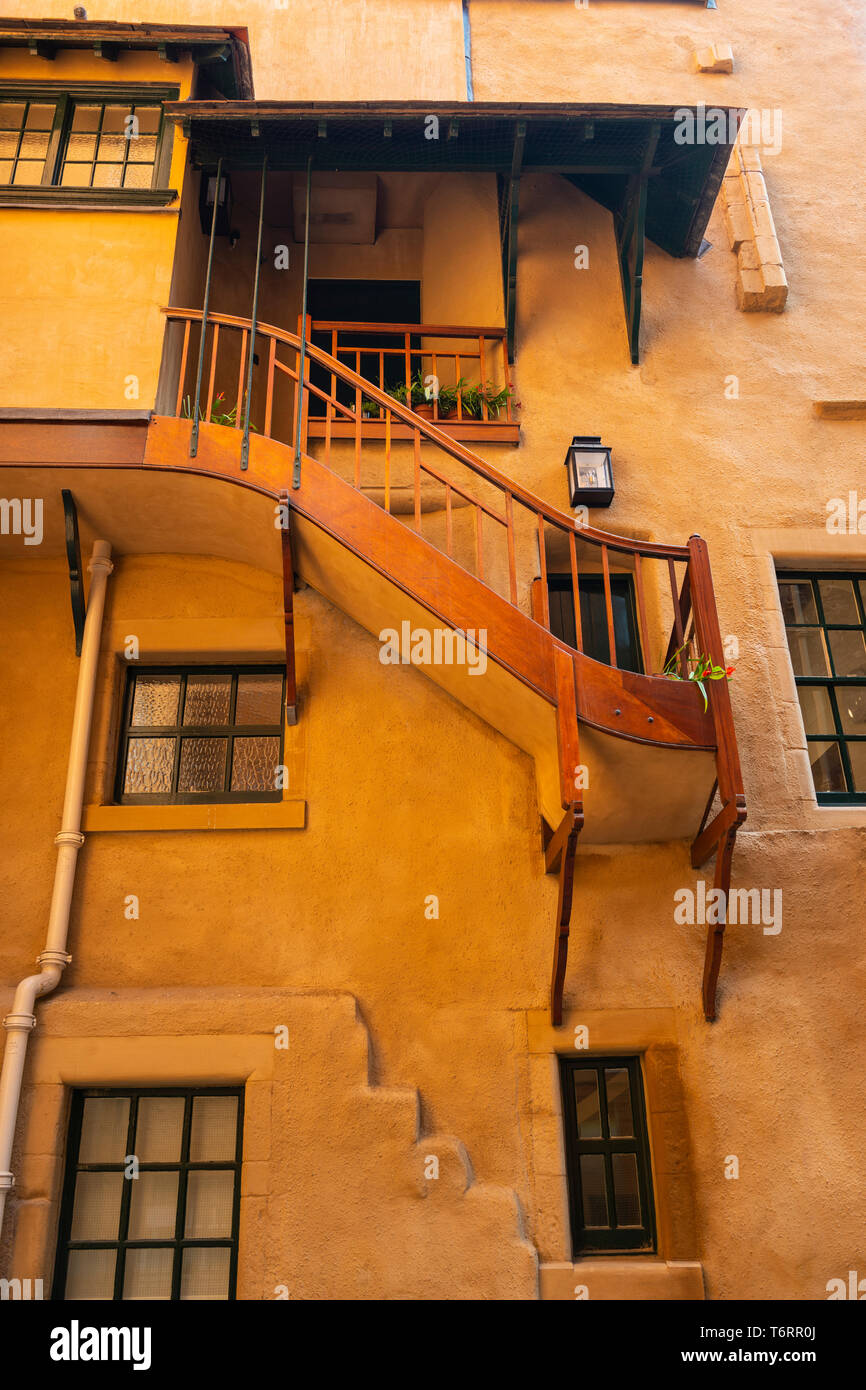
pixel 407 525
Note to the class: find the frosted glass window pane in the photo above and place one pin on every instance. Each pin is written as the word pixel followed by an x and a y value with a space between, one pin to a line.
pixel 159 1129
pixel 202 765
pixel 147 1274
pixel 5 170
pixel 138 176
pixel 40 116
pixel 81 147
pixel 156 700
pixel 34 146
pixel 148 119
pixel 259 700
pixel 76 176
pixel 29 171
pixel 143 149
pixel 8 143
pixel 213 1137
pixel 619 1116
pixel 86 117
pixel 112 147
pixel 254 764
pixel 205 1273
pixel 90 1274
pixel 11 115
pixel 108 176
pixel 104 1129
pixel 209 1202
pixel 149 765
pixel 96 1212
pixel 114 120
pixel 588 1105
pixel 625 1189
pixel 153 1206
pixel 593 1190
pixel 208 699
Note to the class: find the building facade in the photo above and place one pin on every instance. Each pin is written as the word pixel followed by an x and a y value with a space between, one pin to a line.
pixel 433 663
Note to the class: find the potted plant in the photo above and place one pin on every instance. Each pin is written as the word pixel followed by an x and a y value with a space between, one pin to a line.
pixel 699 669
pixel 475 397
pixel 416 397
pixel 369 409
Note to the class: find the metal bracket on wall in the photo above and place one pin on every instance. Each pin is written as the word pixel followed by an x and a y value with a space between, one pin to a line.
pixel 630 241
pixel 76 576
pixel 288 608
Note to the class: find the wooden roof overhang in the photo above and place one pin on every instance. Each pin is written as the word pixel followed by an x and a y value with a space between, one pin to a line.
pixel 223 53
pixel 628 158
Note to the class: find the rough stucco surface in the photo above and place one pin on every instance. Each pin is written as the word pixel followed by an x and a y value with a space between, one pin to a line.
pixel 409 795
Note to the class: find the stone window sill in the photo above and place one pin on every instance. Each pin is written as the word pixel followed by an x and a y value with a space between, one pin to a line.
pixel 632 1278
pixel 261 815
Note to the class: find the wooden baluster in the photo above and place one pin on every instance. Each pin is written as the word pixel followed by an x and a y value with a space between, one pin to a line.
pixel 449 534
pixel 358 399
pixel 381 371
pixel 269 399
pixel 213 362
pixel 457 377
pixel 509 530
pixel 387 460
pixel 479 542
pixel 542 569
pixel 641 610
pixel 417 484
pixel 485 414
pixel 182 378
pixel 407 348
pixel 436 378
pixel 239 408
pixel 575 591
pixel 678 620
pixel 608 604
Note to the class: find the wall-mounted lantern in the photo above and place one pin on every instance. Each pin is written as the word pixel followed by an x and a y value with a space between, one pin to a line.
pixel 590 475
pixel 207 193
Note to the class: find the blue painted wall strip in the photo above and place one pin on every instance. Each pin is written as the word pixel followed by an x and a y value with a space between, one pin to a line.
pixel 467 51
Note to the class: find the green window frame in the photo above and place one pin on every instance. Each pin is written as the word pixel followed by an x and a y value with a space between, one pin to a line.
pixel 193 735
pixel 51 130
pixel 825 624
pixel 134 1230
pixel 607 1155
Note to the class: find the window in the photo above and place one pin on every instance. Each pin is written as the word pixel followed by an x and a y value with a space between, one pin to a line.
pixel 151 1197
pixel 202 734
pixel 593 617
pixel 84 139
pixel 825 619
pixel 607 1153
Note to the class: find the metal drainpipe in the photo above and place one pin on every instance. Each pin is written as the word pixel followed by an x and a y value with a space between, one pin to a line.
pixel 22 1020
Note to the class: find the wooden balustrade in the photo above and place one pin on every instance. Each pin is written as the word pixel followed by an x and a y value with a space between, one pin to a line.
pixel 341 406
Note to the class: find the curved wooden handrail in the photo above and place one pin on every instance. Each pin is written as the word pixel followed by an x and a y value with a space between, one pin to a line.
pixel 530 500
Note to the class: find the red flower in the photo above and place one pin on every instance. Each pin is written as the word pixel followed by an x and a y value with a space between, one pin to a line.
pixel 729 670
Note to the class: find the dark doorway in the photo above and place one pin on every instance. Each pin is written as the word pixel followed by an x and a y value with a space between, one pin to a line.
pixel 362 301
pixel 593 617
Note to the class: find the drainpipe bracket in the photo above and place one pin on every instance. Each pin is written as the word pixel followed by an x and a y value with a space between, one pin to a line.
pixel 19 1021
pixel 7 1180
pixel 69 837
pixel 60 958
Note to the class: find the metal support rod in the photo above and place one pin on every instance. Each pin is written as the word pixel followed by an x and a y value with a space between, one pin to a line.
pixel 296 472
pixel 193 441
pixel 245 443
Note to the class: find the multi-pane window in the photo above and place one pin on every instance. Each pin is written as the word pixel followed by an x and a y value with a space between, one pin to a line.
pixel 69 141
pixel 202 734
pixel 151 1199
pixel 593 617
pixel 607 1152
pixel 825 620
